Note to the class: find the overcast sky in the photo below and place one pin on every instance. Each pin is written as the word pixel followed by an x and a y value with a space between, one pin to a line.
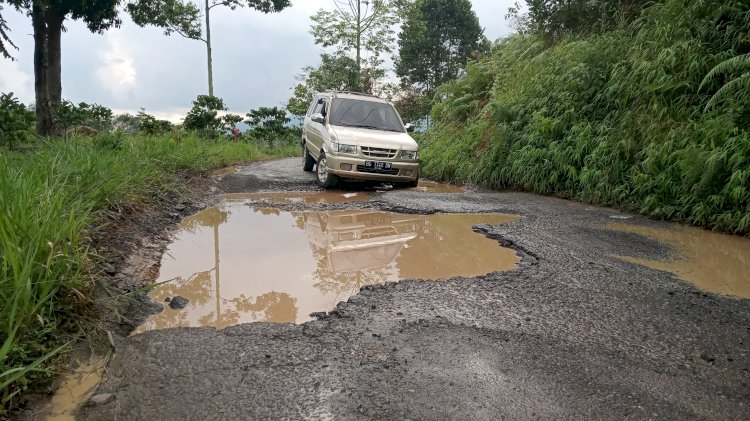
pixel 256 59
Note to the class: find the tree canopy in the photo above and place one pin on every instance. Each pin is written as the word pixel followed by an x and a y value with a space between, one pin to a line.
pixel 436 39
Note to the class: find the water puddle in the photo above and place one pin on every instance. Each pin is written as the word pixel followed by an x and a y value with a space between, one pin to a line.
pixel 237 264
pixel 74 391
pixel 433 187
pixel 713 262
pixel 299 197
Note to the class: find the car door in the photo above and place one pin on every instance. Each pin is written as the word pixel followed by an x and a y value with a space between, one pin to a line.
pixel 316 131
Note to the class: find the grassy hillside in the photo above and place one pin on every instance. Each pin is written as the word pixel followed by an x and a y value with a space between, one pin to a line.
pixel 639 117
pixel 51 199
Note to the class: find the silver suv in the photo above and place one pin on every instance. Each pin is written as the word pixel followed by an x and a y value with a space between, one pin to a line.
pixel 357 136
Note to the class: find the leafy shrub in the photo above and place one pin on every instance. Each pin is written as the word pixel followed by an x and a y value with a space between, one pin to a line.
pixel 633 117
pixel 204 117
pixel 92 115
pixel 16 121
pixel 268 123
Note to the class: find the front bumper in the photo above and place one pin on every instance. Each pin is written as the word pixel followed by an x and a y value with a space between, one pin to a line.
pixel 354 167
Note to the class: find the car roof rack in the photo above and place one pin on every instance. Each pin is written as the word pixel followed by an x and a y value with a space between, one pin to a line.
pixel 351 93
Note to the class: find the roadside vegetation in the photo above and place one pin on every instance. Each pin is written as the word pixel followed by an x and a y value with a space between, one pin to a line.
pixel 647 110
pixel 56 192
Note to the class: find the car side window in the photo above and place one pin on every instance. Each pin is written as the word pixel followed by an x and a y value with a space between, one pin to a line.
pixel 313 103
pixel 319 106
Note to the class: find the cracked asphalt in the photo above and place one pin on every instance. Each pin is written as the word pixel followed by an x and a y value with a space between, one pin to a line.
pixel 572 333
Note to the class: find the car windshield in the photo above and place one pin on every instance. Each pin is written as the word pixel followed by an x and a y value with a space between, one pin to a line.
pixel 366 114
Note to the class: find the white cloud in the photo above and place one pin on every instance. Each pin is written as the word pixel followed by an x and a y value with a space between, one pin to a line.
pixel 13 79
pixel 117 72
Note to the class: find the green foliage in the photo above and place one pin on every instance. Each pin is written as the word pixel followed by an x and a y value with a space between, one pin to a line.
pixel 16 121
pixel 738 88
pixel 555 18
pixel 150 125
pixel 92 115
pixel 357 28
pixel 5 41
pixel 268 123
pixel 615 118
pixel 436 39
pixel 204 117
pixel 336 72
pixel 52 201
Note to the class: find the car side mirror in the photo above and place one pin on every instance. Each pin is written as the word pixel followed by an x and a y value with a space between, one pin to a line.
pixel 318 118
pixel 409 127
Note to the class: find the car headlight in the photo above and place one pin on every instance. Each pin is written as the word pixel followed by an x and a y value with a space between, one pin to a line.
pixel 410 155
pixel 341 148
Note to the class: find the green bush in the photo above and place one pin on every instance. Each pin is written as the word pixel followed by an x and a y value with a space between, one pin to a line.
pixel 96 116
pixel 16 121
pixel 634 117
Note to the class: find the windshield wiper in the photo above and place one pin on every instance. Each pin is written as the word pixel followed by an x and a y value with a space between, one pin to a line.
pixel 362 126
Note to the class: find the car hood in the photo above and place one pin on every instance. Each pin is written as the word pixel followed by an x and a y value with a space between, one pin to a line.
pixel 373 138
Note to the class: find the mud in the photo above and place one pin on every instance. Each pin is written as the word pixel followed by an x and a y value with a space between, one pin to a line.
pixel 434 187
pixel 713 262
pixel 578 334
pixel 238 264
pixel 74 390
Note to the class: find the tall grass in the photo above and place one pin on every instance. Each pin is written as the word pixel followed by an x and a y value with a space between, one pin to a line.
pixel 50 201
pixel 634 117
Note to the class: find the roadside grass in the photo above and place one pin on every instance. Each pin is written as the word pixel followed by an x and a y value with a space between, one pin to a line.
pixel 51 198
pixel 627 118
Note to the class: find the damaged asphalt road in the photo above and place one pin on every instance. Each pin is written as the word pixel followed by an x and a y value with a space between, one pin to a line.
pixel 571 333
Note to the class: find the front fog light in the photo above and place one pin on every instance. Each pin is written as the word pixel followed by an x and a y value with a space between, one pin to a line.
pixel 408 173
pixel 346 167
pixel 410 155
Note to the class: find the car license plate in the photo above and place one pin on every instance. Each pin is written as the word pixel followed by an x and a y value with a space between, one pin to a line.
pixel 378 165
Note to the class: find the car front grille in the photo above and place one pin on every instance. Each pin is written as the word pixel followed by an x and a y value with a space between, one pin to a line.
pixel 379 152
pixel 362 168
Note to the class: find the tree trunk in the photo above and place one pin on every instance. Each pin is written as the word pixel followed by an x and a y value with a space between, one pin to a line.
pixel 208 51
pixel 359 43
pixel 54 67
pixel 44 120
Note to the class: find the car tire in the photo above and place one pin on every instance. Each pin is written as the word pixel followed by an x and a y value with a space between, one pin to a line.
pixel 307 160
pixel 326 180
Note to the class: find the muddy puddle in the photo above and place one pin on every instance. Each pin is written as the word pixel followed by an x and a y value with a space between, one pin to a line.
pixel 237 264
pixel 75 389
pixel 713 262
pixel 299 197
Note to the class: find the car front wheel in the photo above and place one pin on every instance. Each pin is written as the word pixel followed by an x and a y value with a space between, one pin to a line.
pixel 325 178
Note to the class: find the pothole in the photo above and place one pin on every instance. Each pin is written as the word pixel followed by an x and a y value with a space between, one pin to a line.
pixel 713 262
pixel 236 264
pixel 310 198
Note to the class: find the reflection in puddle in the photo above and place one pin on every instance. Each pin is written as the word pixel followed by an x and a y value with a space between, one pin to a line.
pixel 433 187
pixel 300 197
pixel 74 391
pixel 239 264
pixel 711 261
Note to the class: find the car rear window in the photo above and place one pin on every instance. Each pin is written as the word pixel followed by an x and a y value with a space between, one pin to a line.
pixel 366 114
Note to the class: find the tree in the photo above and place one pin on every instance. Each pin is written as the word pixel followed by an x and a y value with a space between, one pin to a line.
pixel 268 123
pixel 183 18
pixel 5 42
pixel 336 72
pixel 361 27
pixel 204 117
pixel 436 39
pixel 47 18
